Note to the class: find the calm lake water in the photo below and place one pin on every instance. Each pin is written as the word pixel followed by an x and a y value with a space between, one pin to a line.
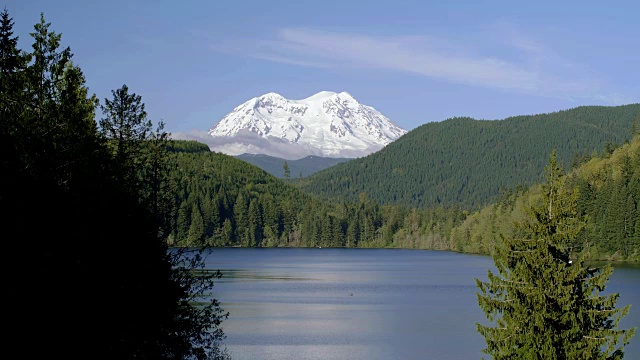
pixel 364 303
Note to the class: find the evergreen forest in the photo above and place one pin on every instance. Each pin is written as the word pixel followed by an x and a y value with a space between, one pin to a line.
pixel 102 212
pixel 223 201
pixel 608 195
pixel 545 300
pixel 469 162
pixel 88 273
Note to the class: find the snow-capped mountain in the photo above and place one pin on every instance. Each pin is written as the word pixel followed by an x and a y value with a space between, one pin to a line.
pixel 326 124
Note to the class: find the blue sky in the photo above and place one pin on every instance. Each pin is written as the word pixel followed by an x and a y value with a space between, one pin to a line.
pixel 415 61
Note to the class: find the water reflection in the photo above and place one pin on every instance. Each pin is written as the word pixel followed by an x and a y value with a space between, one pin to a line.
pixel 362 303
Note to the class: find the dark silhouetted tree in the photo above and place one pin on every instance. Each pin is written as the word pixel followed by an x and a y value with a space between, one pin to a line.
pixel 88 271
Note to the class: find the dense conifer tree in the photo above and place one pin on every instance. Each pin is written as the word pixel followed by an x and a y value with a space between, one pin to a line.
pixel 196 228
pixel 9 54
pixel 287 171
pixel 89 272
pixel 12 66
pixel 545 304
pixel 126 126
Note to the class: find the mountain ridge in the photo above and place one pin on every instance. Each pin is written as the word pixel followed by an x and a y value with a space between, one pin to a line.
pixel 466 162
pixel 297 168
pixel 325 124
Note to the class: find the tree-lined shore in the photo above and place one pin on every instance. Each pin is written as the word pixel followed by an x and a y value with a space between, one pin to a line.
pixel 103 215
pixel 223 201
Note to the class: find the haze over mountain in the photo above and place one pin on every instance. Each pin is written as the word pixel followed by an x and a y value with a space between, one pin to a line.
pixel 297 168
pixel 326 124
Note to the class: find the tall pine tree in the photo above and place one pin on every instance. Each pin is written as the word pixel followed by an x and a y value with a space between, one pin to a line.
pixel 546 305
pixel 126 126
pixel 92 243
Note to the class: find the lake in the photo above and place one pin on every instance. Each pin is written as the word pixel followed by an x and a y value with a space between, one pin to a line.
pixel 364 303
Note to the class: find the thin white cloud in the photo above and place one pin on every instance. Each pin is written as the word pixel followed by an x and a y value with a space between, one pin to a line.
pixel 407 54
pixel 287 60
pixel 518 63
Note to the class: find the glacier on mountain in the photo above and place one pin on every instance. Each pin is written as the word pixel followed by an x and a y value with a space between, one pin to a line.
pixel 326 124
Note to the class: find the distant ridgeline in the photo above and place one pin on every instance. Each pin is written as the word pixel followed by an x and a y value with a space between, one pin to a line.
pixel 296 168
pixel 223 201
pixel 188 146
pixel 467 162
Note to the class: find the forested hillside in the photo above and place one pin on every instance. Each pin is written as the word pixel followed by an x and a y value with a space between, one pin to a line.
pixel 224 201
pixel 467 162
pixel 608 195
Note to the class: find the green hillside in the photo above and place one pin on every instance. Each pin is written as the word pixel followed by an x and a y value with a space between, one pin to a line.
pixel 608 195
pixel 223 201
pixel 467 162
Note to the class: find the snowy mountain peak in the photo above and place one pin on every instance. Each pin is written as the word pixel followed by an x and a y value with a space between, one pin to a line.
pixel 347 96
pixel 325 124
pixel 320 96
pixel 326 95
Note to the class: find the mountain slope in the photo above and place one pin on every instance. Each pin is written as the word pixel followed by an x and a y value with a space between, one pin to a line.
pixel 608 192
pixel 224 201
pixel 326 124
pixel 297 168
pixel 467 162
